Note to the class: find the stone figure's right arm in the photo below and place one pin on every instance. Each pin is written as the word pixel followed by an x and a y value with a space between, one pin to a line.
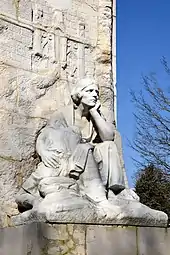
pixel 104 127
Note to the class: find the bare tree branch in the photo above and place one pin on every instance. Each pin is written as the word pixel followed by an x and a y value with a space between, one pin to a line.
pixel 152 115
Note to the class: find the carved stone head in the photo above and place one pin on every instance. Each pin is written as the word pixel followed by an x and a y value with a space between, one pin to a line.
pixel 86 89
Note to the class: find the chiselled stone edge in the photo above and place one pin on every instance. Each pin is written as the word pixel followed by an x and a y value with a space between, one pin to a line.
pixel 137 222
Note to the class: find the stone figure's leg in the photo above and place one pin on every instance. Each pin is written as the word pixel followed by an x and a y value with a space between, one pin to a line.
pixel 90 182
pixel 24 200
pixel 78 160
pixel 29 191
pixel 107 157
pixel 93 186
pixel 56 185
pixel 95 190
pixel 31 184
pixel 27 194
pixel 84 167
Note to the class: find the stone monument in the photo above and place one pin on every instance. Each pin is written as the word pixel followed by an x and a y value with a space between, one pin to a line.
pixel 63 185
pixel 80 178
pixel 60 151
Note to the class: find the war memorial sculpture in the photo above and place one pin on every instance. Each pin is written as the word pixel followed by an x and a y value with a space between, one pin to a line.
pixel 63 183
pixel 62 155
pixel 80 177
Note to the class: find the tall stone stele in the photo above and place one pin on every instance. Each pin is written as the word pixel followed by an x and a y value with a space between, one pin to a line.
pixel 60 151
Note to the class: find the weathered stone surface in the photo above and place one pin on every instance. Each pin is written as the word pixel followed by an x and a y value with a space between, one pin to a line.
pixel 21 118
pixel 44 49
pixel 78 239
pixel 26 240
pixel 36 239
pixel 153 241
pixel 8 209
pixel 130 214
pixel 111 240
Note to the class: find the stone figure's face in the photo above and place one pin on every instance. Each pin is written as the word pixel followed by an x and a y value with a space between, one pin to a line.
pixel 90 95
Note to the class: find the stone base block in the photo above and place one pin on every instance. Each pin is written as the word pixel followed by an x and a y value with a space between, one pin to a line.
pixel 81 239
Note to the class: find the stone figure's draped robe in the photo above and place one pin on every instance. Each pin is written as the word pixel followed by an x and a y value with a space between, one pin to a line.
pixel 74 149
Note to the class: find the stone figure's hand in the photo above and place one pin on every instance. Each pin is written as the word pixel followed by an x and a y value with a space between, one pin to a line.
pixel 50 159
pixel 96 106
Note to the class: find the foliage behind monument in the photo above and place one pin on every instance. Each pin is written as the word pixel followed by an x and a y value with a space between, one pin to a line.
pixel 153 188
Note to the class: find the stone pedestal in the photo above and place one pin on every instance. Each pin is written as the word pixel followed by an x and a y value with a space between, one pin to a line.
pixel 81 239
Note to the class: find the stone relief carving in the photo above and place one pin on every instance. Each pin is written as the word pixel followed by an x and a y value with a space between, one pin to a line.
pixel 54 45
pixel 58 20
pixel 80 177
pixel 89 68
pixel 72 49
pixel 43 50
pixel 37 13
pixel 82 30
pixel 45 42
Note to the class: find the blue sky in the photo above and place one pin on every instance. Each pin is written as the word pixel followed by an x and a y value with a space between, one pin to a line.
pixel 143 37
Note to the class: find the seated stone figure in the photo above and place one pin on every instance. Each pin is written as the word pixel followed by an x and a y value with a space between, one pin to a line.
pixel 80 175
pixel 98 131
pixel 55 145
pixel 77 145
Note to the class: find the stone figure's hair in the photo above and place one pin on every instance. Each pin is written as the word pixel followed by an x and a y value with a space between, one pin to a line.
pixel 77 91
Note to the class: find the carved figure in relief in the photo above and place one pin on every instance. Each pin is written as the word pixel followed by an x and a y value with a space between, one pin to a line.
pixel 78 154
pixel 80 178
